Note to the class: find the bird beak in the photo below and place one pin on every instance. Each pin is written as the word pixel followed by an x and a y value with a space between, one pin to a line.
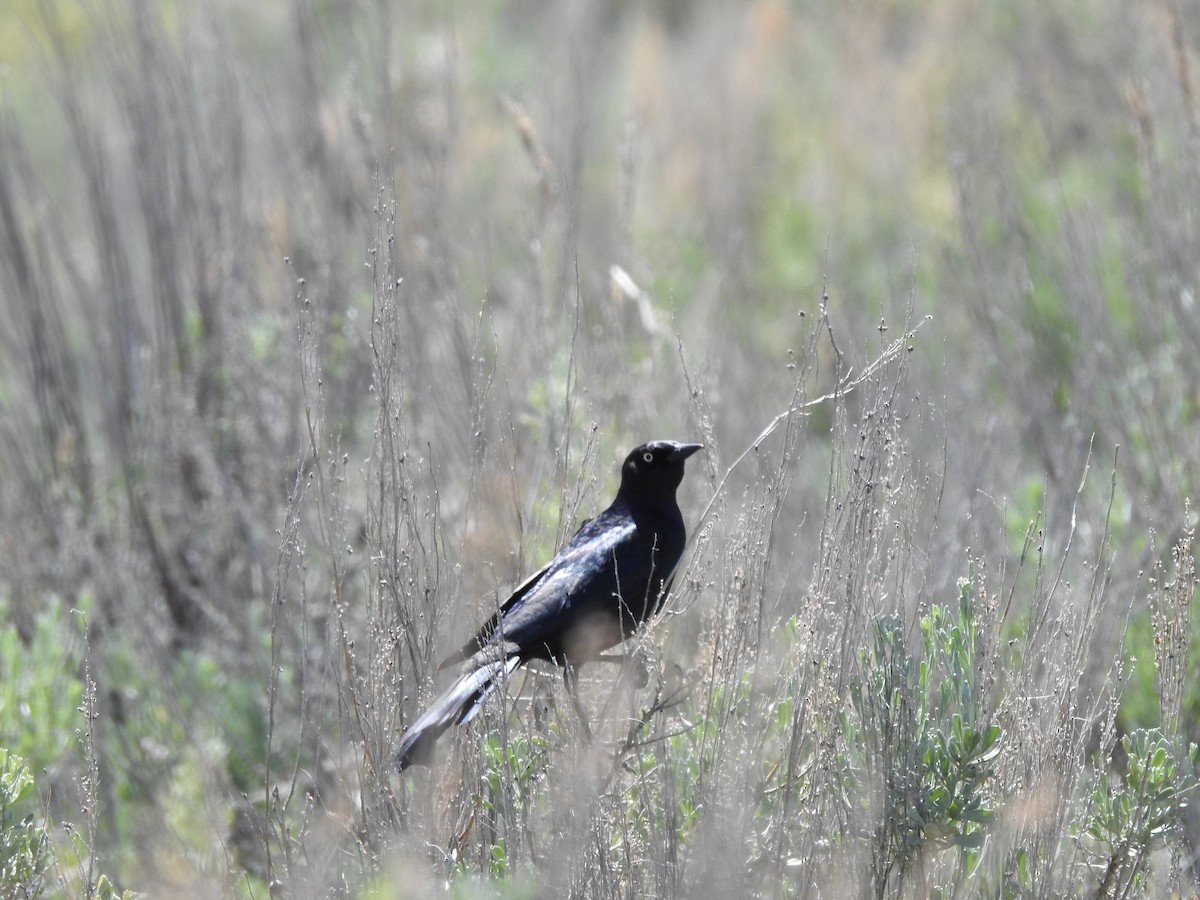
pixel 683 451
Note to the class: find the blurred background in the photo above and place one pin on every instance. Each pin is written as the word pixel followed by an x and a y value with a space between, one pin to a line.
pixel 323 322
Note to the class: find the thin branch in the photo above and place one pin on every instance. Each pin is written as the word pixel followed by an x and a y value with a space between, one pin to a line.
pixel 847 385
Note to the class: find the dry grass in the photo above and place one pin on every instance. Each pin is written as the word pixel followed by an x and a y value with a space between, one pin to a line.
pixel 323 326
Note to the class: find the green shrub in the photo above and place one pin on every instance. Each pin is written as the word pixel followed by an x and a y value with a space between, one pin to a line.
pixel 40 685
pixel 1131 814
pixel 24 857
pixel 921 745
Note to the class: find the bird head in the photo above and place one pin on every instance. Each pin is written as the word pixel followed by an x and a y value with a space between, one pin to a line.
pixel 656 467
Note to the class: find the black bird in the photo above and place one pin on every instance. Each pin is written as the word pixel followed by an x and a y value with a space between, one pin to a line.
pixel 613 575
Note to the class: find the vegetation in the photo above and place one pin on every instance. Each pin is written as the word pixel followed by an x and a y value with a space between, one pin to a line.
pixel 325 323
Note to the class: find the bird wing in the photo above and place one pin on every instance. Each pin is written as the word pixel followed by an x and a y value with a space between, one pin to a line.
pixel 484 634
pixel 583 575
pixel 488 629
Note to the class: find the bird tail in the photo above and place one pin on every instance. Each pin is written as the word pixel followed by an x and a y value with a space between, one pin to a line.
pixel 458 705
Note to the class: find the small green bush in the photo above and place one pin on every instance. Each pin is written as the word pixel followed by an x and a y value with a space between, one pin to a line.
pixel 921 745
pixel 24 858
pixel 1130 814
pixel 40 685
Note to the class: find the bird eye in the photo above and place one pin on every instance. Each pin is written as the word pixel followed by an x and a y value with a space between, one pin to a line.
pixel 648 456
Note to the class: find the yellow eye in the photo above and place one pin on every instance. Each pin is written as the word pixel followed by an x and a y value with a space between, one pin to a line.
pixel 648 456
